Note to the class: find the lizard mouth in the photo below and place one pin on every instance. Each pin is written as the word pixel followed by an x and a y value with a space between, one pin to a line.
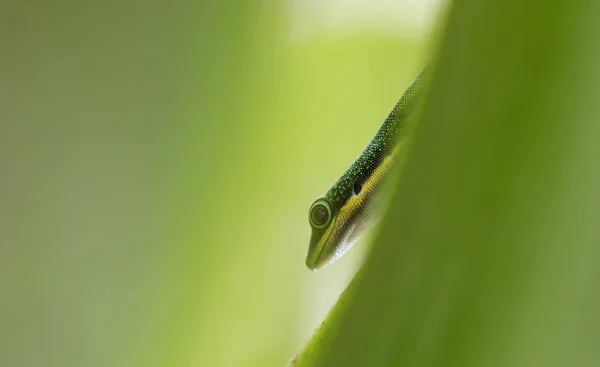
pixel 324 255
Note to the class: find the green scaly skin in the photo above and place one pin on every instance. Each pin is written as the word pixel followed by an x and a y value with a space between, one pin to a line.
pixel 347 210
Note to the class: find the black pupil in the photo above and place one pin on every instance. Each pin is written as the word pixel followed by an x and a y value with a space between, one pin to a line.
pixel 320 214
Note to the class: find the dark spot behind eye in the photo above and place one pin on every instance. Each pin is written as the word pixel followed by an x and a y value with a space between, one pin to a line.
pixel 357 188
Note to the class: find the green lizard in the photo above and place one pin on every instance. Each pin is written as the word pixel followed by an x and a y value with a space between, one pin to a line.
pixel 347 210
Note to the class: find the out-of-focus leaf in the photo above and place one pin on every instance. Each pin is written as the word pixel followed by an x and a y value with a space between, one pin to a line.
pixel 488 255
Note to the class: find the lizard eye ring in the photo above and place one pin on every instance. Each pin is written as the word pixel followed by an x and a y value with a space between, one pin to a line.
pixel 320 214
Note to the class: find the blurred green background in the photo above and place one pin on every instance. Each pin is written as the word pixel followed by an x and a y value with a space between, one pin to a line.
pixel 158 164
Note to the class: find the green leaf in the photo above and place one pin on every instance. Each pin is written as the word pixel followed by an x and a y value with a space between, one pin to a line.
pixel 488 254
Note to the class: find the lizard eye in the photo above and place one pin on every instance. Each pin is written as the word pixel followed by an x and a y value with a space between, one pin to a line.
pixel 320 213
